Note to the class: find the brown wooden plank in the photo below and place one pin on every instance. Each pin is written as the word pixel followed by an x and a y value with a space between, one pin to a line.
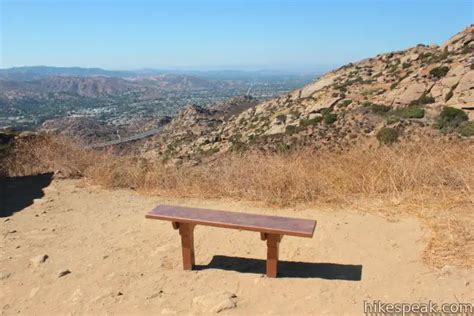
pixel 273 242
pixel 235 220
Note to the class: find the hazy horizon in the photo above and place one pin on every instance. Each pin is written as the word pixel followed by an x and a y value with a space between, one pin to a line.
pixel 212 35
pixel 306 70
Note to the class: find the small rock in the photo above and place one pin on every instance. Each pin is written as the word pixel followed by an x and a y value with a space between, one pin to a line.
pixel 467 283
pixel 215 302
pixel 36 261
pixel 6 220
pixel 12 231
pixel 34 291
pixel 154 295
pixel 76 296
pixel 119 294
pixel 63 273
pixel 446 270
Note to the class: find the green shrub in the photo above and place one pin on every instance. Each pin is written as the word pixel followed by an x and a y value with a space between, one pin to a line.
pixel 412 111
pixel 467 129
pixel 329 118
pixel 292 129
pixel 387 135
pixel 439 72
pixel 377 108
pixel 325 111
pixel 346 102
pixel 424 99
pixel 451 118
pixel 310 122
pixel 392 119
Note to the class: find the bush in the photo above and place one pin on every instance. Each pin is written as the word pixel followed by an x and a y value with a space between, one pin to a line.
pixel 412 111
pixel 451 118
pixel 292 129
pixel 377 108
pixel 387 135
pixel 424 99
pixel 467 129
pixel 392 119
pixel 309 122
pixel 325 111
pixel 329 118
pixel 346 102
pixel 439 72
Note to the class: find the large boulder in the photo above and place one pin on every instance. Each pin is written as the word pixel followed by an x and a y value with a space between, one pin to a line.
pixel 411 92
pixel 308 90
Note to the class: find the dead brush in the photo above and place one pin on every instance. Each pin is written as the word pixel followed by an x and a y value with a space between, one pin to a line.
pixel 42 153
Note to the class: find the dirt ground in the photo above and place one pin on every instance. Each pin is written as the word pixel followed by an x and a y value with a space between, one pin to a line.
pixel 114 261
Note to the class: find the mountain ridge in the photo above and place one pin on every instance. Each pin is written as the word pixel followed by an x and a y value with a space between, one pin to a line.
pixel 403 93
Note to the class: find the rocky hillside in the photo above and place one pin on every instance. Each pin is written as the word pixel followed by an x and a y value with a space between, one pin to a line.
pixel 422 90
pixel 87 130
pixel 91 131
pixel 191 133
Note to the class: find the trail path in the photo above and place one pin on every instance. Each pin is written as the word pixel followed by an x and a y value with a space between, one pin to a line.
pixel 121 263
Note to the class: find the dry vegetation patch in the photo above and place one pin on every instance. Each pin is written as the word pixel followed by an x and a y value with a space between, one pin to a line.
pixel 430 179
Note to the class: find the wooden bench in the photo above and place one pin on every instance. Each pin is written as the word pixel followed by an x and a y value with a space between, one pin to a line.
pixel 271 228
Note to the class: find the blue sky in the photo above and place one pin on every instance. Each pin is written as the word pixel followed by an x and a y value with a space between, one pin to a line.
pixel 218 34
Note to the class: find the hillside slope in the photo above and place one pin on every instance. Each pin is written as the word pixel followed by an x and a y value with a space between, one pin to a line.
pixel 405 91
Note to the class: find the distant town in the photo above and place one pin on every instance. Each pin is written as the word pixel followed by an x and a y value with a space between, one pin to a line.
pixel 31 96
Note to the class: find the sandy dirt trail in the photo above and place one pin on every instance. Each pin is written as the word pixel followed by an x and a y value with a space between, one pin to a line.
pixel 122 263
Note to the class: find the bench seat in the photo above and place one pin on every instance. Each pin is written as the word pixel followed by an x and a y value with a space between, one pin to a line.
pixel 271 228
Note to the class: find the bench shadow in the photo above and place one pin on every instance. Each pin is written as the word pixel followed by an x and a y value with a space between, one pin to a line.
pixel 17 193
pixel 287 269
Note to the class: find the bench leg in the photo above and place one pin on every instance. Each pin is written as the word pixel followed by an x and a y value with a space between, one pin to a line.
pixel 273 243
pixel 187 244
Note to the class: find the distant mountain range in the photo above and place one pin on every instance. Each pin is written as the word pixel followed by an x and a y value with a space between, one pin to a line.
pixel 39 72
pixel 99 85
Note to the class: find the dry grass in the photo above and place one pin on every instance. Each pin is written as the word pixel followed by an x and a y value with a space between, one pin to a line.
pixel 38 154
pixel 429 179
